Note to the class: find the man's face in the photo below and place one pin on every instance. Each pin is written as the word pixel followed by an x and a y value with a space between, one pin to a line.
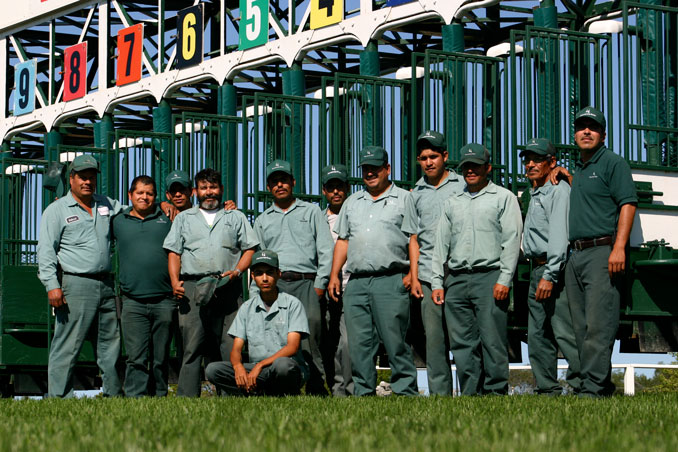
pixel 180 196
pixel 208 194
pixel 475 174
pixel 376 177
pixel 588 135
pixel 432 162
pixel 265 277
pixel 538 167
pixel 83 183
pixel 335 192
pixel 142 197
pixel 280 185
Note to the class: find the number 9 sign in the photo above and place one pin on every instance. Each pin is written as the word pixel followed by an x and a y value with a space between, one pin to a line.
pixel 24 87
pixel 253 23
pixel 189 36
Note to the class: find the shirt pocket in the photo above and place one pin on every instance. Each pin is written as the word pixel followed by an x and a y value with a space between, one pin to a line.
pixel 228 238
pixel 301 231
pixel 76 233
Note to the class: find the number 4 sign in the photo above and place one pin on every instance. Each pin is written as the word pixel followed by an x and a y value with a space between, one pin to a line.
pixel 326 12
pixel 75 71
pixel 130 40
pixel 253 23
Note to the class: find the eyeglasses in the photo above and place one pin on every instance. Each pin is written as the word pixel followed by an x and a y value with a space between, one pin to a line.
pixel 536 159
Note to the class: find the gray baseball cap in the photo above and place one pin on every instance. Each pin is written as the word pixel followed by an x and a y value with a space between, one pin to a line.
pixel 474 153
pixel 373 155
pixel 540 146
pixel 84 162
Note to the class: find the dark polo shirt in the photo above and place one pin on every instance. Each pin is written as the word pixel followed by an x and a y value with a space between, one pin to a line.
pixel 599 188
pixel 143 260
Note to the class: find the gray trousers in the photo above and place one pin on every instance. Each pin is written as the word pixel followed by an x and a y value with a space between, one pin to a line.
pixel 283 377
pixel 438 369
pixel 338 360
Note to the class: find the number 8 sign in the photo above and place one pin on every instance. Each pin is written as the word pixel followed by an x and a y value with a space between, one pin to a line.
pixel 253 23
pixel 75 71
pixel 24 87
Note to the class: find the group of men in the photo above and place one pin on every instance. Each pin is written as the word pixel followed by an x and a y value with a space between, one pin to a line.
pixel 329 287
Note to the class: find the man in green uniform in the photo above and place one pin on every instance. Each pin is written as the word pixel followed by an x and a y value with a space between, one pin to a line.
pixel 272 324
pixel 602 207
pixel 376 299
pixel 545 245
pixel 422 210
pixel 478 240
pixel 74 261
pixel 298 232
pixel 207 243
pixel 335 190
pixel 148 307
pixel 179 190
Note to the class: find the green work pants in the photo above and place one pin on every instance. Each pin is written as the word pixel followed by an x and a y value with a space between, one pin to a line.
pixel 146 330
pixel 338 360
pixel 282 377
pixel 476 325
pixel 594 304
pixel 549 327
pixel 90 310
pixel 378 307
pixel 310 346
pixel 438 369
pixel 203 329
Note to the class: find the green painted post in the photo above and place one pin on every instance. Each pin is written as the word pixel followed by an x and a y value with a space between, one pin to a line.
pixel 162 122
pixel 227 103
pixel 671 56
pixel 295 85
pixel 5 201
pixel 103 138
pixel 369 65
pixel 454 91
pixel 548 75
pixel 51 140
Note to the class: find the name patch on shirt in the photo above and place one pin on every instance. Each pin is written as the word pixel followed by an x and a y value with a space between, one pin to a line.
pixel 72 219
pixel 103 211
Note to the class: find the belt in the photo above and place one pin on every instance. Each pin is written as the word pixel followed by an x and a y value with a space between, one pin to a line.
pixel 539 260
pixel 296 276
pixel 390 272
pixel 197 277
pixel 583 244
pixel 103 276
pixel 468 271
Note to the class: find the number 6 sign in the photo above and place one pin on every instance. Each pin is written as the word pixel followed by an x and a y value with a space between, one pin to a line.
pixel 189 36
pixel 253 23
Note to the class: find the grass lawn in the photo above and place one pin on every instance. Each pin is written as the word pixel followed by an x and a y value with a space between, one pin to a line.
pixel 522 423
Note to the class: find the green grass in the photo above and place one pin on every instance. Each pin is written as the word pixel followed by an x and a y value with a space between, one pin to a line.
pixel 521 423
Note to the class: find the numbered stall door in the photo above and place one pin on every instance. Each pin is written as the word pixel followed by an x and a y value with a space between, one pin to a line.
pixel 253 23
pixel 75 72
pixel 190 29
pixel 24 87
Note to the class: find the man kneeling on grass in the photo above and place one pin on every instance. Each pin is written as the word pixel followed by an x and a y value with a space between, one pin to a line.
pixel 272 323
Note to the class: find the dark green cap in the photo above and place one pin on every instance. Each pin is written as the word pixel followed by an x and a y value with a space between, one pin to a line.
pixel 338 171
pixel 592 113
pixel 267 257
pixel 84 162
pixel 278 165
pixel 178 177
pixel 430 140
pixel 474 153
pixel 373 155
pixel 540 146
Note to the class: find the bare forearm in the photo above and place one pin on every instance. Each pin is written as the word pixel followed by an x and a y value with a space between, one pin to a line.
pixel 339 258
pixel 174 267
pixel 624 225
pixel 413 249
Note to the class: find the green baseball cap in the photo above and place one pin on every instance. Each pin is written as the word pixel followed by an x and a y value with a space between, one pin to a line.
pixel 474 153
pixel 373 155
pixel 84 162
pixel 540 146
pixel 430 140
pixel 267 257
pixel 279 165
pixel 337 171
pixel 178 177
pixel 592 113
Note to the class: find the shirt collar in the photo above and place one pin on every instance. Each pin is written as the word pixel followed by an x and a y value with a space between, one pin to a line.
pixel 545 187
pixel 156 213
pixel 295 204
pixel 451 177
pixel 281 301
pixel 489 188
pixel 70 200
pixel 594 158
pixel 390 191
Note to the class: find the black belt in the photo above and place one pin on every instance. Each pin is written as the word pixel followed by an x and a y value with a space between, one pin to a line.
pixel 390 272
pixel 103 276
pixel 469 271
pixel 197 277
pixel 539 260
pixel 583 244
pixel 296 276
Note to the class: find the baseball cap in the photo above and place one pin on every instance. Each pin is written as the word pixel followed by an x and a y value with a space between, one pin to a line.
pixel 178 177
pixel 373 155
pixel 474 153
pixel 592 113
pixel 540 146
pixel 278 165
pixel 435 140
pixel 337 171
pixel 267 257
pixel 84 162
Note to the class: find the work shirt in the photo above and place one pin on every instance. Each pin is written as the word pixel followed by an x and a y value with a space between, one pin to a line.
pixel 207 250
pixel 545 232
pixel 478 232
pixel 422 210
pixel 599 188
pixel 73 239
pixel 332 220
pixel 142 259
pixel 265 332
pixel 372 228
pixel 301 237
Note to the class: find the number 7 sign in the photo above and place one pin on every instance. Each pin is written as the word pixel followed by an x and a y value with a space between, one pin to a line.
pixel 130 41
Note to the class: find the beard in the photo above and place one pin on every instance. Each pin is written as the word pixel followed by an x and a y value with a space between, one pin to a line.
pixel 209 203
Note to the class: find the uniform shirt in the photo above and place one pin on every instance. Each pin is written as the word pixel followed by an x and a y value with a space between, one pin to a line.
pixel 332 220
pixel 75 240
pixel 422 211
pixel 372 228
pixel 301 237
pixel 265 332
pixel 480 231
pixel 206 250
pixel 599 188
pixel 545 232
pixel 141 257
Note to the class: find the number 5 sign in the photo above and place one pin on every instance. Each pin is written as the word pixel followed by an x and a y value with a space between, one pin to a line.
pixel 253 23
pixel 130 40
pixel 75 71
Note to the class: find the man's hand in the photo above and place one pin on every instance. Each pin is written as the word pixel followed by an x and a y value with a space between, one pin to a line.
pixel 240 376
pixel 500 292
pixel 415 289
pixel 559 173
pixel 231 274
pixel 252 376
pixel 334 288
pixel 438 296
pixel 544 289
pixel 56 298
pixel 407 281
pixel 230 205
pixel 178 289
pixel 169 210
pixel 616 261
pixel 319 292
